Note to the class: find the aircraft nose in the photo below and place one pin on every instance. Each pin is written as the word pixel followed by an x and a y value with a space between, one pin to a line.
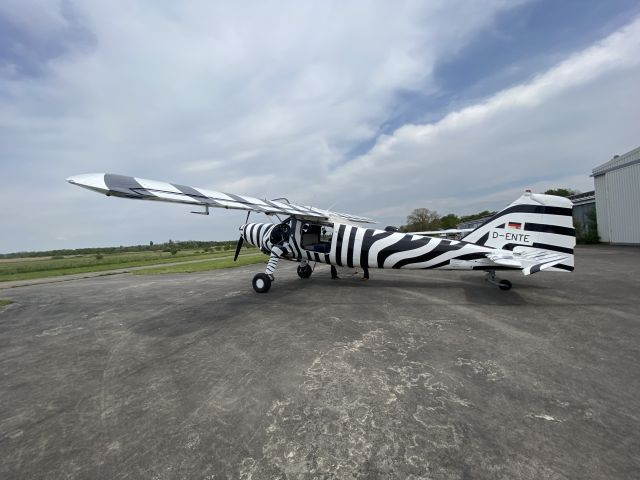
pixel 243 231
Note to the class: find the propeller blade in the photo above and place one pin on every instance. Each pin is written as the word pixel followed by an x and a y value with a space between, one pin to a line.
pixel 238 247
pixel 241 240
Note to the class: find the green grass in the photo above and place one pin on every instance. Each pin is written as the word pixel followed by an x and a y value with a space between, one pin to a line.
pixel 30 269
pixel 247 259
pixel 4 303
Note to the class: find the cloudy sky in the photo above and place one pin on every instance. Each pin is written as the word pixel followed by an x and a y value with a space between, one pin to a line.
pixel 371 107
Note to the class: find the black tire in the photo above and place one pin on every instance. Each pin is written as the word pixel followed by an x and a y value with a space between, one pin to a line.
pixel 304 272
pixel 505 285
pixel 261 283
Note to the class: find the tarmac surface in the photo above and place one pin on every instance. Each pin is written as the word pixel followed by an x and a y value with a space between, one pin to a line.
pixel 430 375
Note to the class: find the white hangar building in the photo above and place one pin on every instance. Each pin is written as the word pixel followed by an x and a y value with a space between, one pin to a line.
pixel 617 187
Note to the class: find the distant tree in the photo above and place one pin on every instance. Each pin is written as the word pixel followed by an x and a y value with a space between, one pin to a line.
pixel 588 233
pixel 449 221
pixel 421 219
pixel 173 248
pixel 151 244
pixel 476 216
pixel 562 192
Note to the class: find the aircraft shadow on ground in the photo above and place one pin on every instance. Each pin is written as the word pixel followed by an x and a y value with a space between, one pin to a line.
pixel 285 290
pixel 476 290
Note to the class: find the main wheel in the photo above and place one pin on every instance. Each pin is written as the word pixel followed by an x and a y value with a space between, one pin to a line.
pixel 505 285
pixel 304 271
pixel 261 283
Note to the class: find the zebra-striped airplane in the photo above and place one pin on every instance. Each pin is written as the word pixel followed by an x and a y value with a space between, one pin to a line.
pixel 532 234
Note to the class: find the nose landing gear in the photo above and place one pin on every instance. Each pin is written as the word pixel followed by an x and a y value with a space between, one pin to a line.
pixel 279 237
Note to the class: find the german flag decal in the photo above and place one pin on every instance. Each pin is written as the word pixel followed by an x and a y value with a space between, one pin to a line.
pixel 515 225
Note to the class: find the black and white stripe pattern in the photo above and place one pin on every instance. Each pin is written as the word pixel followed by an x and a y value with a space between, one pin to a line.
pixel 143 189
pixel 545 221
pixel 276 253
pixel 540 237
pixel 534 233
pixel 369 248
pixel 364 247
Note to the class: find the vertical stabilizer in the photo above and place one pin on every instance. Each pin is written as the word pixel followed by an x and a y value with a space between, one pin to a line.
pixel 534 220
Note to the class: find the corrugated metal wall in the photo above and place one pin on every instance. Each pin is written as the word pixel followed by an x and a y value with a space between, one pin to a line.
pixel 618 205
pixel 602 208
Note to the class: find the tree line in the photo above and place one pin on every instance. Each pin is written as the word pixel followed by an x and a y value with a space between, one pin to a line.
pixel 423 219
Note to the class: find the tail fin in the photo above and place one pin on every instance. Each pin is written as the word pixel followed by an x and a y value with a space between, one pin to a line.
pixel 534 220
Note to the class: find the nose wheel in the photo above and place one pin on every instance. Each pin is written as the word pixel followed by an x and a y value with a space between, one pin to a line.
pixel 261 283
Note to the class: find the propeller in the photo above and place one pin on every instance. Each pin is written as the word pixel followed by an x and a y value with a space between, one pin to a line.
pixel 241 239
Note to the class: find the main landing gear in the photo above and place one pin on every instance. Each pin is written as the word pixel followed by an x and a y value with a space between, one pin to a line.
pixel 501 284
pixel 262 281
pixel 305 271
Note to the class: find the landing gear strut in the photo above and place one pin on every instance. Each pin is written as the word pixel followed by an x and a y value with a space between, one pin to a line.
pixel 279 238
pixel 501 284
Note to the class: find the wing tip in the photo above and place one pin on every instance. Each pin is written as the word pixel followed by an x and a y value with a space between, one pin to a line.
pixel 92 181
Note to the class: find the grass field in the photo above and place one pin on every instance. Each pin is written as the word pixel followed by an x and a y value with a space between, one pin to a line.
pixel 50 267
pixel 247 259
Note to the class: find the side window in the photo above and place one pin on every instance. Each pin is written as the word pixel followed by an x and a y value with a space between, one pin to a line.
pixel 326 234
pixel 316 237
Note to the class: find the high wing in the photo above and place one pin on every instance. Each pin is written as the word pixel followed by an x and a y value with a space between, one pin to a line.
pixel 142 189
pixel 450 231
pixel 530 260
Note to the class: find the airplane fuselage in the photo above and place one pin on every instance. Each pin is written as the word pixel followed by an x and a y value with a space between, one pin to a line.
pixel 346 245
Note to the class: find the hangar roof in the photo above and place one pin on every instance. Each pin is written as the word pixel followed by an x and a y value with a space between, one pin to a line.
pixel 582 198
pixel 617 162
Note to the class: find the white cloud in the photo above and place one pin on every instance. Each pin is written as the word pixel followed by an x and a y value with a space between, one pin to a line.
pixel 539 134
pixel 266 98
pixel 213 94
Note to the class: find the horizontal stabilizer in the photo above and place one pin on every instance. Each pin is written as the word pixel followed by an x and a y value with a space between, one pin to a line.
pixel 530 260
